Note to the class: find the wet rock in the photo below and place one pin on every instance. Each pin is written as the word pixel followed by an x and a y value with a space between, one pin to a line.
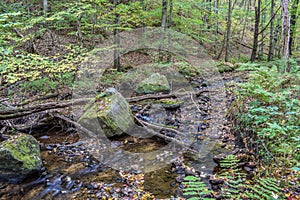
pixel 217 159
pixel 109 114
pixel 170 103
pixel 19 157
pixel 179 179
pixel 248 169
pixel 156 83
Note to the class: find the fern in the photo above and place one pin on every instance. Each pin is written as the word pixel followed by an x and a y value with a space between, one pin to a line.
pixel 264 188
pixel 195 189
pixel 229 162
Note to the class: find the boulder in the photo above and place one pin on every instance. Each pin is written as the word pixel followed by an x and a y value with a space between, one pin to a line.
pixel 156 83
pixel 109 113
pixel 19 157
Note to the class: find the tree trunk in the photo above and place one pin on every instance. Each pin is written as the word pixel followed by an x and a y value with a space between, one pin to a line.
pixel 227 48
pixel 164 14
pixel 117 64
pixel 45 6
pixel 271 42
pixel 79 33
pixel 169 20
pixel 294 17
pixel 262 44
pixel 256 32
pixel 163 27
pixel 216 7
pixel 285 34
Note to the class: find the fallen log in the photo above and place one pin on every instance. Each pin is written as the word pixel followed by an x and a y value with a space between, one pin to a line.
pixel 24 111
pixel 21 112
pixel 164 96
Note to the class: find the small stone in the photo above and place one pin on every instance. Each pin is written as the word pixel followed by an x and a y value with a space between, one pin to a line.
pixel 44 137
pixel 179 179
pixel 247 169
pixel 292 183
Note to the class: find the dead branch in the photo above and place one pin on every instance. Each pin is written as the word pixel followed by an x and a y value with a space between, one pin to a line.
pixel 163 96
pixel 49 96
pixel 78 126
pixel 155 126
pixel 152 132
pixel 21 112
pixel 22 36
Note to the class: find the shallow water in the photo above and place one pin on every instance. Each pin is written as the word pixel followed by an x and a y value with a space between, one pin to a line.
pixel 71 172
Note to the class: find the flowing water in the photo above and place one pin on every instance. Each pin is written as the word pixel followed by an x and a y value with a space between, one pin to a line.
pixel 71 172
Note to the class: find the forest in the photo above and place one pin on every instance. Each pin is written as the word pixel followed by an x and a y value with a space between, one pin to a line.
pixel 150 99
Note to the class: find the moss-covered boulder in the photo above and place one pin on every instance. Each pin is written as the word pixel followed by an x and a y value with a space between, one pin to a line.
pixel 187 70
pixel 156 83
pixel 109 113
pixel 19 157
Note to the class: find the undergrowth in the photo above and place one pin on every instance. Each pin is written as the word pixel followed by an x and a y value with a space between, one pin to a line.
pixel 270 111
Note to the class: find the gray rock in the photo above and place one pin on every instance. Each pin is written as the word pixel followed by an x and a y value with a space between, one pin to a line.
pixel 109 114
pixel 19 157
pixel 156 83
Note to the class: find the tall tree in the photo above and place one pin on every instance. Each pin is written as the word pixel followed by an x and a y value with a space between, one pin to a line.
pixel 256 31
pixel 294 16
pixel 164 14
pixel 227 48
pixel 169 19
pixel 285 33
pixel 117 64
pixel 271 40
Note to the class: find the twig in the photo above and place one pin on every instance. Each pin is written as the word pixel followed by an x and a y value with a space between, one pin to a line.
pixel 78 126
pixel 164 136
pixel 159 126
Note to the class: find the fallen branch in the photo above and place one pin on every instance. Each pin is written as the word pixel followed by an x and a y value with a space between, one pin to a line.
pixel 21 112
pixel 49 96
pixel 152 132
pixel 78 126
pixel 163 96
pixel 154 126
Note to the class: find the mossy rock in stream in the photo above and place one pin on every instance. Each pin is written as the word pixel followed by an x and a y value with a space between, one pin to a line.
pixel 170 103
pixel 156 83
pixel 109 113
pixel 19 157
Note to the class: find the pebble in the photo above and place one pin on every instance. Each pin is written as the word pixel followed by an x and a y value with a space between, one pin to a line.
pixel 44 137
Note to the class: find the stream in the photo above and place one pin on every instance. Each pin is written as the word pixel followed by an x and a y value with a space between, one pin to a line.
pixel 72 172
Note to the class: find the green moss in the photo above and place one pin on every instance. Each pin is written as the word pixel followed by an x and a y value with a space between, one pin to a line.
pixel 170 103
pixel 187 70
pixel 23 151
pixel 110 111
pixel 154 84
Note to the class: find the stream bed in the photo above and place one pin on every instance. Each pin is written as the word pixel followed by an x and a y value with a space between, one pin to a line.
pixel 71 172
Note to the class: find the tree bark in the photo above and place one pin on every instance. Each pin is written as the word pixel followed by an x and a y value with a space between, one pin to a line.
pixel 271 41
pixel 285 34
pixel 163 27
pixel 294 17
pixel 79 33
pixel 256 31
pixel 45 6
pixel 227 48
pixel 117 64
